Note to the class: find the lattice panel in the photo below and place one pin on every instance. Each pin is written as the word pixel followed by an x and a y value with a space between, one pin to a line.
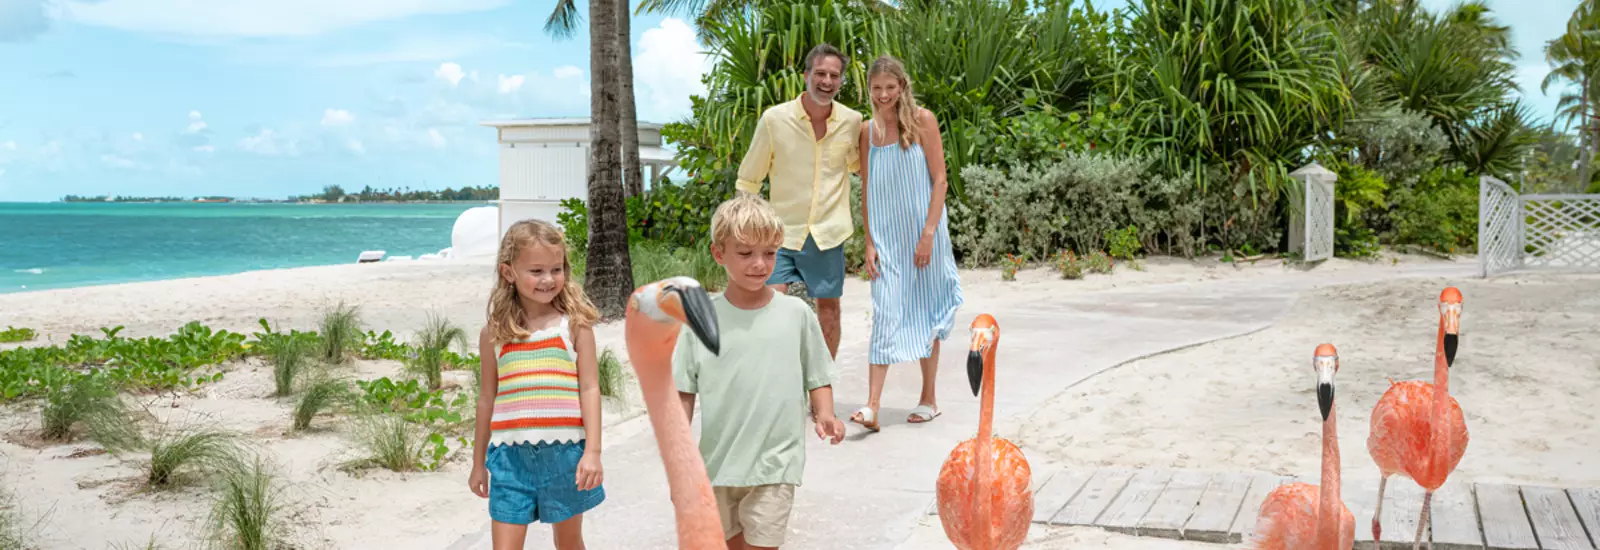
pixel 1319 221
pixel 1499 227
pixel 1562 231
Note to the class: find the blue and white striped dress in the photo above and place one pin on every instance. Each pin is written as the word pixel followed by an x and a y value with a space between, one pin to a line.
pixel 910 306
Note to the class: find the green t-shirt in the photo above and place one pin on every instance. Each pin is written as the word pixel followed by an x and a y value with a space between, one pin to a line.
pixel 754 396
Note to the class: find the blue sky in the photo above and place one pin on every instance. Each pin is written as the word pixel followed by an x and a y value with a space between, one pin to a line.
pixel 269 98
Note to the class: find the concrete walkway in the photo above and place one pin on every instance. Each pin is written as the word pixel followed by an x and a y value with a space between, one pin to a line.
pixel 869 491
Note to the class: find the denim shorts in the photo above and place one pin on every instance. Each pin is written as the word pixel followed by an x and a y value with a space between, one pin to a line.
pixel 821 270
pixel 531 482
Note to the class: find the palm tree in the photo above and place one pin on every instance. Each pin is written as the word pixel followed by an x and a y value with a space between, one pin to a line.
pixel 1575 58
pixel 561 24
pixel 608 276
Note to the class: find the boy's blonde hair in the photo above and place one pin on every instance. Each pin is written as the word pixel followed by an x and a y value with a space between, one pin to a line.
pixel 746 219
pixel 505 310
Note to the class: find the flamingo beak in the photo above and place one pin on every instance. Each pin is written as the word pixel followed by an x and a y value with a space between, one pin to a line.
pixel 700 315
pixel 1325 390
pixel 1452 333
pixel 980 344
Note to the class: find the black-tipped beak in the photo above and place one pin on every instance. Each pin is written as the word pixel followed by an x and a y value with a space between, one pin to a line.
pixel 1451 340
pixel 975 371
pixel 1325 398
pixel 701 316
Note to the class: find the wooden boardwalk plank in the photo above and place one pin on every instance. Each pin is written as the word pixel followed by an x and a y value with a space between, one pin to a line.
pixel 1587 502
pixel 1505 522
pixel 1244 524
pixel 1402 509
pixel 1085 508
pixel 1175 505
pixel 1218 506
pixel 1057 492
pixel 1555 522
pixel 1453 518
pixel 1124 513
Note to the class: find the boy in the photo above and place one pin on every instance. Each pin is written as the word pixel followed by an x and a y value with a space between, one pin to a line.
pixel 752 435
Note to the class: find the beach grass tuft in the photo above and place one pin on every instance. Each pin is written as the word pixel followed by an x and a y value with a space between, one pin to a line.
pixel 341 333
pixel 11 534
pixel 149 544
pixel 89 400
pixel 289 357
pixel 432 351
pixel 318 397
pixel 245 513
pixel 390 442
pixel 196 451
pixel 611 376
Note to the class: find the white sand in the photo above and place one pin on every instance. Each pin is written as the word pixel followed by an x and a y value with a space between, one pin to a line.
pixel 1526 377
pixel 379 509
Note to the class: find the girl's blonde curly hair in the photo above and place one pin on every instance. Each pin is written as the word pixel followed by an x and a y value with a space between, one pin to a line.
pixel 505 310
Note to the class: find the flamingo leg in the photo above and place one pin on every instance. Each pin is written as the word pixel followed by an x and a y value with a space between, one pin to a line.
pixel 1383 482
pixel 1427 498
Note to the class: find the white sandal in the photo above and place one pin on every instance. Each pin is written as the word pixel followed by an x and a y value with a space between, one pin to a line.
pixel 922 414
pixel 868 419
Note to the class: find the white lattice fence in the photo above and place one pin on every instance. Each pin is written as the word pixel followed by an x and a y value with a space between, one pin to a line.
pixel 1536 232
pixel 1499 227
pixel 1561 231
pixel 1311 228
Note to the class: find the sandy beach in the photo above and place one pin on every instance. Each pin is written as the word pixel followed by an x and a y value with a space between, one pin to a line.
pixel 1245 403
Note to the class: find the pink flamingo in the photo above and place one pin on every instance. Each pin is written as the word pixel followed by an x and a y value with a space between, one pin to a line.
pixel 1418 430
pixel 1300 515
pixel 985 502
pixel 655 313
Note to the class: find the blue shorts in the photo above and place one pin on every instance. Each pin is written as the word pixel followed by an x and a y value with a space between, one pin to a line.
pixel 821 270
pixel 531 482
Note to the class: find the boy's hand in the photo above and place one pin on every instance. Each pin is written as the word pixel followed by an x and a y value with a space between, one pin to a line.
pixel 589 473
pixel 830 427
pixel 478 481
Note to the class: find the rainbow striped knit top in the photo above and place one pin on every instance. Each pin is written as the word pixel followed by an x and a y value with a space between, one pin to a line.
pixel 537 398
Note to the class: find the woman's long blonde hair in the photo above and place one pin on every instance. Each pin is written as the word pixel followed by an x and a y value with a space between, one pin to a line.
pixel 505 310
pixel 909 124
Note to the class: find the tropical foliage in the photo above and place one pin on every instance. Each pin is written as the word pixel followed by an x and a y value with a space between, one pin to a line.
pixel 1177 121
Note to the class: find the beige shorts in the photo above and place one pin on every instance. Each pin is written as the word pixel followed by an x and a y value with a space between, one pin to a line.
pixel 760 512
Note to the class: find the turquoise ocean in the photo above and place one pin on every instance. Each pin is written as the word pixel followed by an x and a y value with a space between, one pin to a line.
pixel 59 245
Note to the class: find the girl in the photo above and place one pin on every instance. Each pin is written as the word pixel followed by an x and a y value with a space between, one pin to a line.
pixel 915 289
pixel 536 455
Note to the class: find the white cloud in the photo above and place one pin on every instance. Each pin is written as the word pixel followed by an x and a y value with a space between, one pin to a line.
pixel 569 71
pixel 437 138
pixel 511 83
pixel 356 147
pixel 196 122
pixel 9 145
pixel 449 71
pixel 257 18
pixel 269 143
pixel 138 136
pixel 337 117
pixel 118 162
pixel 667 70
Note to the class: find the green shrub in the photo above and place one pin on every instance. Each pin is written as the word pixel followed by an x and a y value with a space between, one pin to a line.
pixel 1010 265
pixel 1098 262
pixel 91 401
pixel 1439 213
pixel 14 334
pixel 246 512
pixel 1069 264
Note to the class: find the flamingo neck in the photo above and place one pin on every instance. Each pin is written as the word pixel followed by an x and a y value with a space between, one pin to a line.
pixel 1439 442
pixel 984 476
pixel 650 348
pixel 1328 495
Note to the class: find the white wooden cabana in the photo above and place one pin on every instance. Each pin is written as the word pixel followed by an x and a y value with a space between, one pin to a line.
pixel 545 161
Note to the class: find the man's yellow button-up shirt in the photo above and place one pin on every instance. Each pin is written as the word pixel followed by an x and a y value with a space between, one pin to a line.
pixel 810 177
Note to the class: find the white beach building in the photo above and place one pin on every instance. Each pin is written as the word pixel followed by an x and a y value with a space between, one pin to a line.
pixel 544 161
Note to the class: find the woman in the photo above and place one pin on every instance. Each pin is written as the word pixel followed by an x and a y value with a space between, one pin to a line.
pixel 915 287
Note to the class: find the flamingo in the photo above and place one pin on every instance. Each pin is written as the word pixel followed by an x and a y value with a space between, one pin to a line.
pixel 1299 515
pixel 655 313
pixel 1418 430
pixel 984 498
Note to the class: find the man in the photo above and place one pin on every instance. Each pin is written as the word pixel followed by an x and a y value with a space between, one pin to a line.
pixel 808 148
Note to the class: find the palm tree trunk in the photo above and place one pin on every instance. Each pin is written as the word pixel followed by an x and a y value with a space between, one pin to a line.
pixel 608 279
pixel 1588 132
pixel 632 172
